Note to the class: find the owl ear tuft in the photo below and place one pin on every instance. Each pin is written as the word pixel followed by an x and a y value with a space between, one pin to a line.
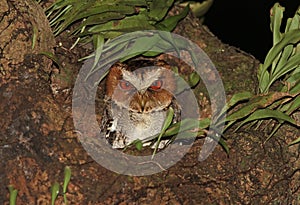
pixel 118 67
pixel 116 71
pixel 113 77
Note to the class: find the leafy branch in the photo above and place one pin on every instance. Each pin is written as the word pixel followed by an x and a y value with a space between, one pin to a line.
pixel 282 63
pixel 106 19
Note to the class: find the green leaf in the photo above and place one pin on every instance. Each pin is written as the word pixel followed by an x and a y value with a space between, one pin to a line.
pixel 170 23
pixel 284 59
pixel 291 82
pixel 194 79
pixel 167 122
pixel 288 108
pixel 109 45
pixel 237 98
pixel 140 3
pixel 168 38
pixel 296 88
pixel 98 41
pixel 58 15
pixel 199 9
pixel 66 182
pixel 189 134
pixel 151 53
pixel 54 192
pixel 267 113
pixel 59 4
pixel 138 145
pixel 84 10
pixel 100 19
pixel 263 78
pixel 159 8
pixel 292 64
pixel 141 45
pixel 291 37
pixel 128 24
pixel 103 9
pixel 293 105
pixel 187 125
pixel 276 18
pixel 12 195
pixel 293 23
pixel 113 47
pixel 295 141
pixel 257 102
pixel 67 178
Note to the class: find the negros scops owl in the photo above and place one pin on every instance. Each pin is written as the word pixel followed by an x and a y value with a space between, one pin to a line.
pixel 137 100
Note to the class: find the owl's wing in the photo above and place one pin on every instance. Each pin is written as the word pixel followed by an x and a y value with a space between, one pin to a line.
pixel 107 122
pixel 109 126
pixel 177 111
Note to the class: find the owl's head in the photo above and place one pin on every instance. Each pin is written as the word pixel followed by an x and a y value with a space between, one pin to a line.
pixel 141 90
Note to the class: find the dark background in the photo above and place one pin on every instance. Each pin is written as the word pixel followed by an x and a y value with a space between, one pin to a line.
pixel 246 23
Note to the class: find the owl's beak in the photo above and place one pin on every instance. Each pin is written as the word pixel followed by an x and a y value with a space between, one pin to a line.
pixel 142 91
pixel 143 104
pixel 142 101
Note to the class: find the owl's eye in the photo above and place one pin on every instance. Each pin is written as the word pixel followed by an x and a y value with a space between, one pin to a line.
pixel 156 85
pixel 125 85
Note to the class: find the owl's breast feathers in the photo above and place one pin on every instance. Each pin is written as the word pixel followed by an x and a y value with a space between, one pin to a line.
pixel 124 126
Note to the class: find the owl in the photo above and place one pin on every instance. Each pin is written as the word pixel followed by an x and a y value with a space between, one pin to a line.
pixel 137 98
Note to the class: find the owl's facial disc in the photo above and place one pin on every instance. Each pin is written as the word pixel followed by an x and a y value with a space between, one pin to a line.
pixel 143 90
pixel 151 89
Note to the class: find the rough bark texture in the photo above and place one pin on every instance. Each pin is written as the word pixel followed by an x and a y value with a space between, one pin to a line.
pixel 37 137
